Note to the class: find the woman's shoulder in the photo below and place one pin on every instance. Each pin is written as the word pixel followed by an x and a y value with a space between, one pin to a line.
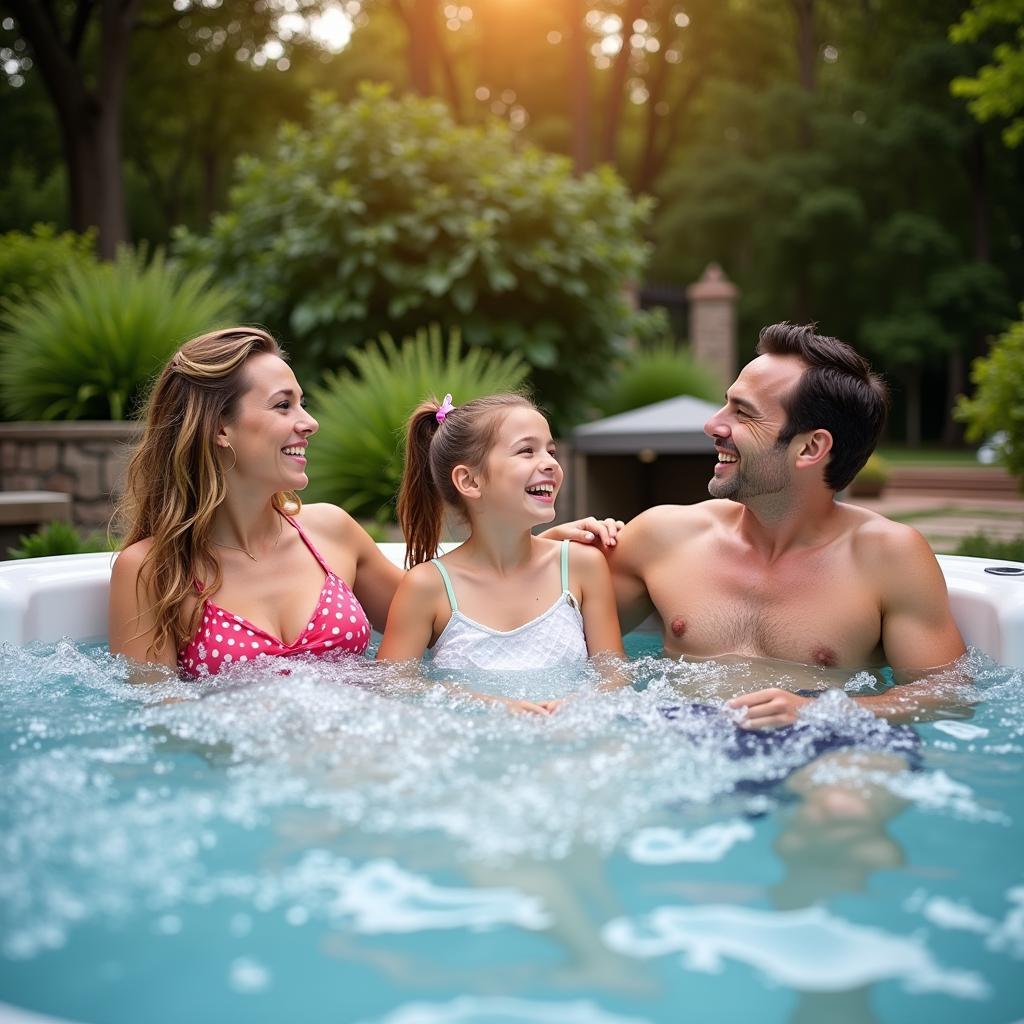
pixel 129 560
pixel 324 515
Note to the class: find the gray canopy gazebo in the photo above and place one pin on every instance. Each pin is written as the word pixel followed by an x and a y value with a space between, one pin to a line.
pixel 655 455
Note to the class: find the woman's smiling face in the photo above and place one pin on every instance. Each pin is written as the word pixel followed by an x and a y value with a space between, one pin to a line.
pixel 270 429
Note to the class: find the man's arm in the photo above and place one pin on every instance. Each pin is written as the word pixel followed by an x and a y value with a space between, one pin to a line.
pixel 919 636
pixel 918 630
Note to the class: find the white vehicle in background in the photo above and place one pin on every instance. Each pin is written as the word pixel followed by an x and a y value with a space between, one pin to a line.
pixel 992 448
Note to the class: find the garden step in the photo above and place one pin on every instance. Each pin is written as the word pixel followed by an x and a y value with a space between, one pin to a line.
pixel 24 512
pixel 958 481
pixel 33 508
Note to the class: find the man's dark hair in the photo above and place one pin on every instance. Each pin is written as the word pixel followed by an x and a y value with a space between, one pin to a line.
pixel 837 392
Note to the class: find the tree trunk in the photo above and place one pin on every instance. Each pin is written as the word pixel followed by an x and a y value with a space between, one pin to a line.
pixel 806 43
pixel 913 414
pixel 89 117
pixel 421 38
pixel 977 176
pixel 579 85
pixel 617 84
pixel 956 384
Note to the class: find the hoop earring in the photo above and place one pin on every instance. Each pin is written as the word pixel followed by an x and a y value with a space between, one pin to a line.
pixel 234 455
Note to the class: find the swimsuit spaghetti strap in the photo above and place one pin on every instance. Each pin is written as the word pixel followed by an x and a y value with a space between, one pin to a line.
pixel 447 584
pixel 309 544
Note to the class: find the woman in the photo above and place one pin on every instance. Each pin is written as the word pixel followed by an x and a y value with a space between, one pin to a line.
pixel 221 560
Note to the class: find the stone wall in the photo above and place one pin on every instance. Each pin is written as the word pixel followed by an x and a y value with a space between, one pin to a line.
pixel 84 460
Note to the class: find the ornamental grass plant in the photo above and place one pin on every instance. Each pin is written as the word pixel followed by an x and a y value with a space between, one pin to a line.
pixel 59 538
pixel 87 346
pixel 657 372
pixel 357 454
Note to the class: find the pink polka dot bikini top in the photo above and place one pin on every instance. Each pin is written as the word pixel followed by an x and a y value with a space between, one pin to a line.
pixel 338 625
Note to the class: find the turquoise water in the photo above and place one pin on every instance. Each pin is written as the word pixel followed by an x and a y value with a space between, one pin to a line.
pixel 327 846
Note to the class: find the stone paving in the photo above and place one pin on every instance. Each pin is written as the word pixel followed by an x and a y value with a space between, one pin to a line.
pixel 944 520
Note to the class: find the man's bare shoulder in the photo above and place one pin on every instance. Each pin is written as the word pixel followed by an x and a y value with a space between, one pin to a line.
pixel 646 540
pixel 883 544
pixel 679 521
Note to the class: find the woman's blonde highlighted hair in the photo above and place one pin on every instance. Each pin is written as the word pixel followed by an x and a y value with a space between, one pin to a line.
pixel 175 481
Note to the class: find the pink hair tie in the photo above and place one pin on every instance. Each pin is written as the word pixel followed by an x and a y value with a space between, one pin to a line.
pixel 445 408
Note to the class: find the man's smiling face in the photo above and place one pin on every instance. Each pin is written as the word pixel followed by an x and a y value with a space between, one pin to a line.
pixel 751 462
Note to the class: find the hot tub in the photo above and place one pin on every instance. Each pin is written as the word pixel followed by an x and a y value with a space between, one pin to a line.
pixel 46 599
pixel 307 844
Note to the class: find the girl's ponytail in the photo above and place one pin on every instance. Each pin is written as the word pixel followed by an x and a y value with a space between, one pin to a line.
pixel 420 505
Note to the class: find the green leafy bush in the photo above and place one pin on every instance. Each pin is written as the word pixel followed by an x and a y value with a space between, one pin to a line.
pixel 655 373
pixel 979 545
pixel 86 347
pixel 385 214
pixel 872 478
pixel 58 539
pixel 998 402
pixel 31 262
pixel 357 453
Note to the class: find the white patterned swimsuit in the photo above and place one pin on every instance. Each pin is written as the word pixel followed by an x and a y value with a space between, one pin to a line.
pixel 554 637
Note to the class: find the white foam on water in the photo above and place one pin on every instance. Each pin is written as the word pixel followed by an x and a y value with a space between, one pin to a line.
pixel 375 897
pixel 809 950
pixel 961 730
pixel 673 846
pixel 1006 936
pixel 504 1010
pixel 248 976
pixel 946 913
pixel 381 897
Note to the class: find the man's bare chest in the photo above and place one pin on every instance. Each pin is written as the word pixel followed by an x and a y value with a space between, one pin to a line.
pixel 815 610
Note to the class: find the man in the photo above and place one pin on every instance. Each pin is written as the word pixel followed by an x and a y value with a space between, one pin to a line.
pixel 774 566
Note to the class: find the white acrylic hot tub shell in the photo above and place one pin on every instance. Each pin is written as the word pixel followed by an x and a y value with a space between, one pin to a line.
pixel 46 599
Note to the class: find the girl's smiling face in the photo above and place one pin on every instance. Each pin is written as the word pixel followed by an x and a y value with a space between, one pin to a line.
pixel 521 472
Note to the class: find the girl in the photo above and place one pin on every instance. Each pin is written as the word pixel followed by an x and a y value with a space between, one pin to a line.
pixel 504 599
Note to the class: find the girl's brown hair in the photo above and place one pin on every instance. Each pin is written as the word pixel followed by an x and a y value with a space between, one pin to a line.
pixel 175 481
pixel 432 451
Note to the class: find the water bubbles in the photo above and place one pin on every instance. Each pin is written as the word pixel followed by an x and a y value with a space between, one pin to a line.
pixel 304 798
pixel 248 976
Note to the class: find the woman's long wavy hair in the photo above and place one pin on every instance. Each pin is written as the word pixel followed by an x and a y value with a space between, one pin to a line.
pixel 175 480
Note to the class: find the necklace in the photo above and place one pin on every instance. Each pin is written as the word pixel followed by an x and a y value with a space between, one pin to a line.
pixel 232 547
pixel 246 551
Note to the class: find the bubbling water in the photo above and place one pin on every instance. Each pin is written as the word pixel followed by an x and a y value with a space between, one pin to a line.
pixel 343 792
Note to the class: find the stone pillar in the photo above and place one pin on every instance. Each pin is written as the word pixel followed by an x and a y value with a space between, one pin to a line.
pixel 713 322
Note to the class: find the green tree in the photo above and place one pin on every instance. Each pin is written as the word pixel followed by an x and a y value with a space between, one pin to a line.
pixel 865 203
pixel 384 214
pixel 997 407
pixel 80 50
pixel 997 90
